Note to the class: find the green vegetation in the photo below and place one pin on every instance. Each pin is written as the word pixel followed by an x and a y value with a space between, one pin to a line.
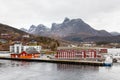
pixel 47 43
pixel 102 43
pixel 73 39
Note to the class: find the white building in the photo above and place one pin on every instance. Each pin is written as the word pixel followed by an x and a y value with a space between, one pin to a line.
pixel 18 48
pixel 26 36
pixel 113 50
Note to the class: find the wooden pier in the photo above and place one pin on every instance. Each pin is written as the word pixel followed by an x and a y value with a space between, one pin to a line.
pixel 76 62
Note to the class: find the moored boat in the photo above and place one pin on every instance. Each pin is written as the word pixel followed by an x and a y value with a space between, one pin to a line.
pixel 108 61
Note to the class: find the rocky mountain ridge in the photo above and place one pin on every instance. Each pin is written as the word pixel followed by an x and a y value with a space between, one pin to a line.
pixel 75 30
pixel 115 33
pixel 67 28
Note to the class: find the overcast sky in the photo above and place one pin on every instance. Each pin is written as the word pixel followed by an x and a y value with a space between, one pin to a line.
pixel 100 14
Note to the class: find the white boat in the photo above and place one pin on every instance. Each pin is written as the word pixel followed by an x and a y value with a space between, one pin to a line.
pixel 108 61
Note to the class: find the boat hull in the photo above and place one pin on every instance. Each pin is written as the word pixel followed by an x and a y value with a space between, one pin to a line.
pixel 107 64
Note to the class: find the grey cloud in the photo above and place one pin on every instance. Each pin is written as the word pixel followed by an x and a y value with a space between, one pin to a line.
pixel 23 13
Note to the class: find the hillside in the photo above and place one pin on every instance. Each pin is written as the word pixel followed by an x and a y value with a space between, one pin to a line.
pixel 10 30
pixel 103 39
pixel 9 35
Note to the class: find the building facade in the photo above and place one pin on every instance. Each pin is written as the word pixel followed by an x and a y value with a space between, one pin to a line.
pixel 25 55
pixel 18 48
pixel 79 54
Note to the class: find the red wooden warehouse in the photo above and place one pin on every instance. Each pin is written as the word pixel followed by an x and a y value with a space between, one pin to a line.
pixel 77 54
pixel 25 55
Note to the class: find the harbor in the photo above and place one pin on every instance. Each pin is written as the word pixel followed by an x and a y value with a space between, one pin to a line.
pixel 68 55
pixel 94 57
pixel 59 39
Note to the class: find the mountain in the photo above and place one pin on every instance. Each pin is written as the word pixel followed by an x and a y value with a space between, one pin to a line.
pixel 76 27
pixel 10 34
pixel 10 30
pixel 23 29
pixel 7 34
pixel 69 29
pixel 39 30
pixel 115 33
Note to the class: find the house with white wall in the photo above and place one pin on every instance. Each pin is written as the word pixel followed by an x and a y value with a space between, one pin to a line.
pixel 18 48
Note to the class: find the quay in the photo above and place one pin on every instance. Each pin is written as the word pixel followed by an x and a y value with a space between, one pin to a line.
pixel 93 57
pixel 76 62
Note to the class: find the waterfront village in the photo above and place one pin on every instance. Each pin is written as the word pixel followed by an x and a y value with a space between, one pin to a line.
pixel 85 52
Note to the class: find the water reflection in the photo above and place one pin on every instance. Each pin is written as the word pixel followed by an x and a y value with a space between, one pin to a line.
pixel 82 67
pixel 20 70
pixel 20 63
pixel 14 63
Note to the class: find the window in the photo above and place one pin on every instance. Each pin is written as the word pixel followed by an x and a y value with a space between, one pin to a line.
pixel 17 49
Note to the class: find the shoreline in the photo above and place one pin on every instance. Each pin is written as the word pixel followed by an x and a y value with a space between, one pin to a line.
pixel 76 62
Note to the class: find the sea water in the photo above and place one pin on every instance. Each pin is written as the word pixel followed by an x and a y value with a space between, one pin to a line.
pixel 20 70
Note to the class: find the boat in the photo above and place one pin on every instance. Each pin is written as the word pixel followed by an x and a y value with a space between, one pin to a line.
pixel 108 61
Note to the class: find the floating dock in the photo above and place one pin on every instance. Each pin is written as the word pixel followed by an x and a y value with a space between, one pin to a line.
pixel 76 62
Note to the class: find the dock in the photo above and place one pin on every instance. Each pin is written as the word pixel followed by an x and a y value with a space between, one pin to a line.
pixel 76 62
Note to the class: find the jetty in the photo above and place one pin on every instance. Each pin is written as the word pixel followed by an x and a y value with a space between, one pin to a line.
pixel 76 62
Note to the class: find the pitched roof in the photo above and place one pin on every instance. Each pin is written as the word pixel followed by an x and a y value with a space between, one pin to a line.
pixel 31 50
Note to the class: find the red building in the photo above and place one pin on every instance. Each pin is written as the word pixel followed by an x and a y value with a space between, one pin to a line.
pixel 5 35
pixel 77 54
pixel 26 55
pixel 103 51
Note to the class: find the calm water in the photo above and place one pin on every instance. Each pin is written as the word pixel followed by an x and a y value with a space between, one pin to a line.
pixel 13 70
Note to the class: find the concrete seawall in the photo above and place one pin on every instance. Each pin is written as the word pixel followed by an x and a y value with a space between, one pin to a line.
pixel 76 62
